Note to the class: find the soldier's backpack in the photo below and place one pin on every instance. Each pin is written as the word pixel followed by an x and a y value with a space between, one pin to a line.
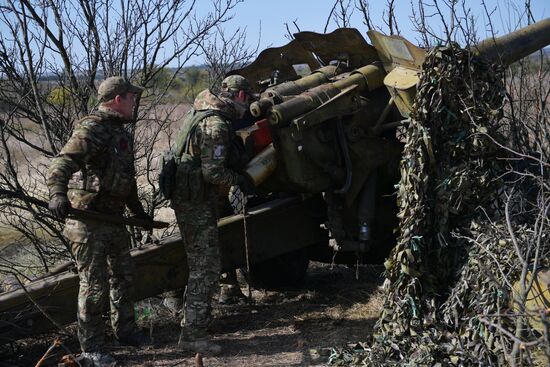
pixel 178 166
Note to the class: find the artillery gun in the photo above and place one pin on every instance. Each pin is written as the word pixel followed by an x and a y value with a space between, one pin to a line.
pixel 332 155
pixel 333 130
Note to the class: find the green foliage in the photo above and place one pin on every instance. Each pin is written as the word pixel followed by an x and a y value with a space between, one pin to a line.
pixel 195 79
pixel 182 88
pixel 59 96
pixel 163 80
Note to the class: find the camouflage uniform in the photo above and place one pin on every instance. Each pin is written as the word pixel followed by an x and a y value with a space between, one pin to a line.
pixel 95 169
pixel 230 291
pixel 197 218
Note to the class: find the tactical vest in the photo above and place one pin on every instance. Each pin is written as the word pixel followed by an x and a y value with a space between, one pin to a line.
pixel 189 126
pixel 181 176
pixel 105 179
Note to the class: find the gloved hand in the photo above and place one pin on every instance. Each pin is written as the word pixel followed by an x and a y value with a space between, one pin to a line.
pixel 246 184
pixel 167 177
pixel 142 215
pixel 237 157
pixel 138 232
pixel 59 205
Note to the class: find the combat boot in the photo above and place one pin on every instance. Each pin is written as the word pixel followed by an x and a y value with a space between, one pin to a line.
pixel 96 359
pixel 231 294
pixel 174 303
pixel 137 339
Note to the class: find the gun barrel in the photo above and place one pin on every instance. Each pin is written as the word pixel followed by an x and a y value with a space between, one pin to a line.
pixel 274 94
pixel 516 45
pixel 367 78
pixel 316 78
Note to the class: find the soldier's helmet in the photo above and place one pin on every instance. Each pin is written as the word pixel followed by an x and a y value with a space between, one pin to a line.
pixel 116 85
pixel 235 83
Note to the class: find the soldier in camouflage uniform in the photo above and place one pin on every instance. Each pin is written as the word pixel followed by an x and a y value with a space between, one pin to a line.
pixel 230 291
pixel 95 171
pixel 197 213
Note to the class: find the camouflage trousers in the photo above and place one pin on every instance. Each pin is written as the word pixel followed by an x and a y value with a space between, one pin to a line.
pixel 105 269
pixel 198 226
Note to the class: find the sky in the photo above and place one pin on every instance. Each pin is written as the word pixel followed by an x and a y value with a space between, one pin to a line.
pixel 265 19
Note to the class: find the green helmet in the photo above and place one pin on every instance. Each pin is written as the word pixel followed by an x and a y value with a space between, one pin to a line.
pixel 235 83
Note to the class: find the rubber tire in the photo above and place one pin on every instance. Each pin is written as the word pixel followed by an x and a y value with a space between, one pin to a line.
pixel 283 271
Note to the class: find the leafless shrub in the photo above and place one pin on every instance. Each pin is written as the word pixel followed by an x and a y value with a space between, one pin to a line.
pixel 226 52
pixel 340 13
pixel 388 16
pixel 51 56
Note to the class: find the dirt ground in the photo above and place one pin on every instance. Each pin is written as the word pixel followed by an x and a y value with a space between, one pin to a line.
pixel 292 327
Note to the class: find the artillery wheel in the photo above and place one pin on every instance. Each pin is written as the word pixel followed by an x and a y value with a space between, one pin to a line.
pixel 286 270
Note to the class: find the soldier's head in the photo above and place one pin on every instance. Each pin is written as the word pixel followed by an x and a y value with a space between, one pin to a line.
pixel 236 89
pixel 236 84
pixel 118 94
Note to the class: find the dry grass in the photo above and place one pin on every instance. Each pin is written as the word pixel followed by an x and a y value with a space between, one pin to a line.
pixel 293 327
pixel 8 236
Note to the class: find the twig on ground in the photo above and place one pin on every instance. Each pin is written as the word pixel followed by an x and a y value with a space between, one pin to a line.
pixel 56 343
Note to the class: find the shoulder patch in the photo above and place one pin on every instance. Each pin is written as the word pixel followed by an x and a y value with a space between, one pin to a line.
pixel 218 152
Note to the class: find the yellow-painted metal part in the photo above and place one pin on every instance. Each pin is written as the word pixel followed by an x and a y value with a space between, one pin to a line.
pixel 538 298
pixel 397 51
pixel 262 165
pixel 401 83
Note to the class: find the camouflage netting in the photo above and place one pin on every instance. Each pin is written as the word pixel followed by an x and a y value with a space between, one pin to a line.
pixel 482 297
pixel 451 176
